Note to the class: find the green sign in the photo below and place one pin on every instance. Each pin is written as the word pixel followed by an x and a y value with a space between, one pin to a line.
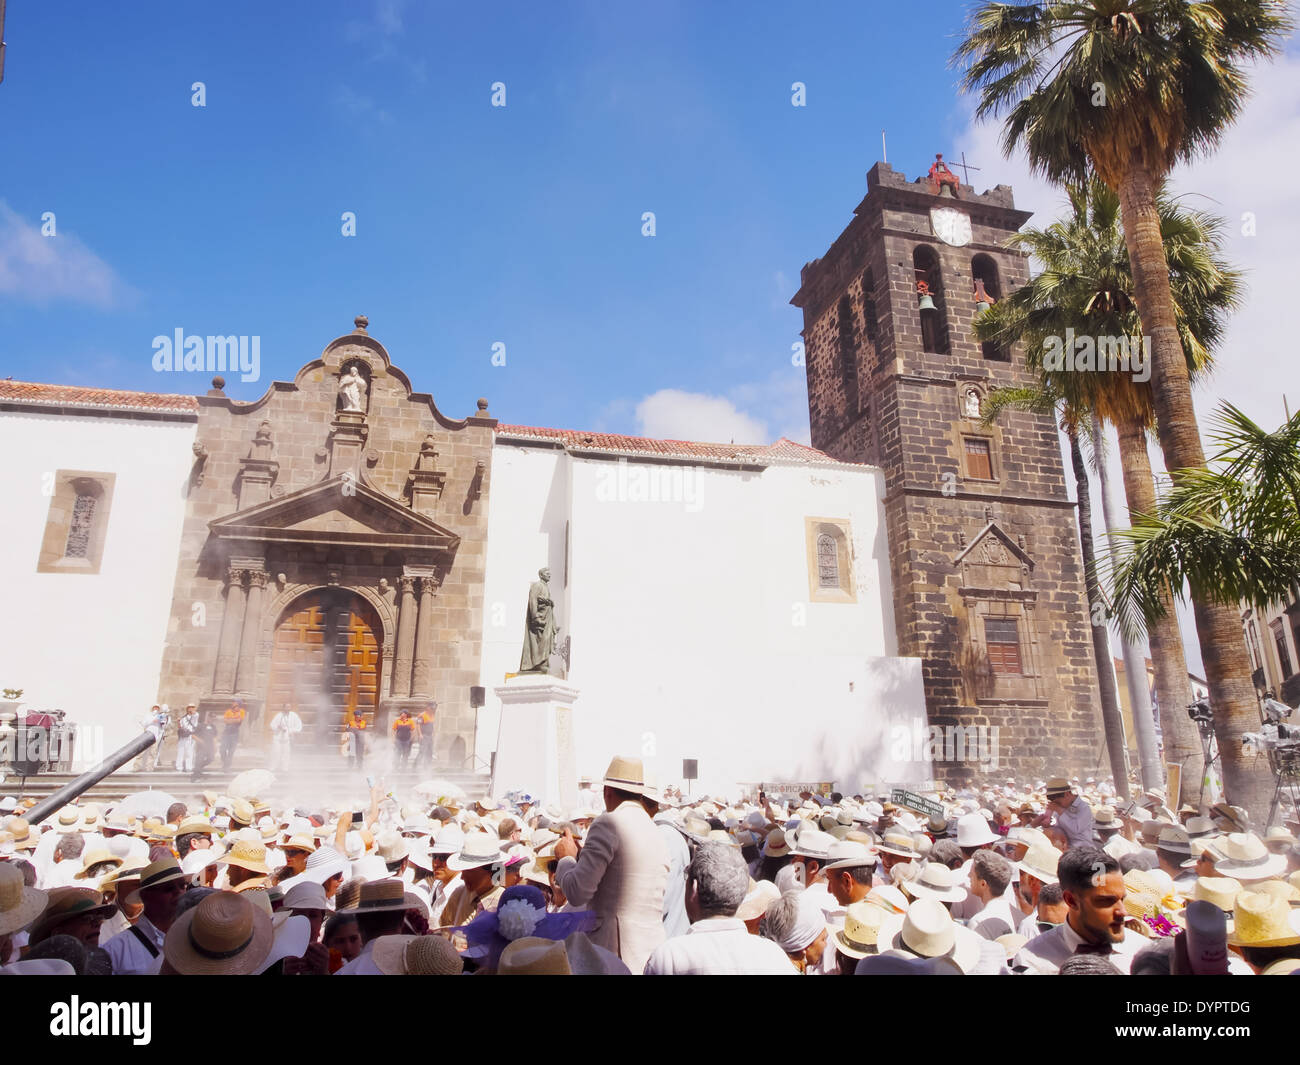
pixel 900 797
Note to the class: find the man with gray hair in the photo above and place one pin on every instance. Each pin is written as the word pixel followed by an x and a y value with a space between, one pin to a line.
pixel 718 944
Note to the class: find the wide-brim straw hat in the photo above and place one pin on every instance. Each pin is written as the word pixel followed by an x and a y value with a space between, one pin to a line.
pixel 899 843
pixel 927 930
pixel 861 931
pixel 24 838
pixel 478 850
pixel 935 881
pixel 627 774
pixel 19 904
pixel 65 903
pixel 416 956
pixel 195 826
pixel 1262 920
pixel 532 956
pixel 758 898
pixel 1246 858
pixel 155 874
pixel 247 855
pixel 1040 862
pixel 1220 890
pixel 378 896
pixel 224 935
pixel 974 831
pixel 91 859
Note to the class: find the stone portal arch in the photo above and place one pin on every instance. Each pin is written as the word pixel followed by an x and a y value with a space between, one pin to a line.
pixel 326 661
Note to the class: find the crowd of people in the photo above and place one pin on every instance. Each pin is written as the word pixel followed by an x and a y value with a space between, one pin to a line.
pixel 1050 877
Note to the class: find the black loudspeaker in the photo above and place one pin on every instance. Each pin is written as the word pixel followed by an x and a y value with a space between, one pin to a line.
pixel 690 768
pixel 477 697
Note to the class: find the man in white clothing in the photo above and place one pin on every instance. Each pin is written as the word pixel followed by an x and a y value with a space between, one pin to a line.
pixel 1094 893
pixel 717 944
pixel 284 726
pixel 990 873
pixel 187 728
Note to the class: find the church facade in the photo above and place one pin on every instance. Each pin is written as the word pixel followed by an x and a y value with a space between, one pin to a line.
pixel 343 547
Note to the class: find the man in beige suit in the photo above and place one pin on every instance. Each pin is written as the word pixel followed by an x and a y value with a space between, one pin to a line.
pixel 620 870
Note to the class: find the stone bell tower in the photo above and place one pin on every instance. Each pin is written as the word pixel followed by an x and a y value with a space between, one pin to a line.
pixel 983 540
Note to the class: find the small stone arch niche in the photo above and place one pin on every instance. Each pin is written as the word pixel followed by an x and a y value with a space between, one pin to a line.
pixel 348 391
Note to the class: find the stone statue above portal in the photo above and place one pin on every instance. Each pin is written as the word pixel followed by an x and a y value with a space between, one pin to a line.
pixel 540 626
pixel 353 389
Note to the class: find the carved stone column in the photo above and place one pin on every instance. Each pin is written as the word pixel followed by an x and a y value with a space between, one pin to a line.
pixel 422 673
pixel 405 636
pixel 231 623
pixel 246 673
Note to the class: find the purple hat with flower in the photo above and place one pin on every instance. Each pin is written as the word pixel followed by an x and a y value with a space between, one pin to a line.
pixel 520 913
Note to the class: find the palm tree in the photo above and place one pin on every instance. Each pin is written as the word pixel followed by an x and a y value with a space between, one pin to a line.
pixel 1086 283
pixel 1129 88
pixel 1229 531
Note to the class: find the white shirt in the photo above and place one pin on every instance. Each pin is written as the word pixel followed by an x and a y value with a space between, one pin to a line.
pixel 1048 952
pixel 285 725
pixel 363 964
pixel 128 954
pixel 719 946
pixel 996 919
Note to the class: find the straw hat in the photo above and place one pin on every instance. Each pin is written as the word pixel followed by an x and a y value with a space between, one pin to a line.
pixel 862 924
pixel 760 896
pixel 849 855
pixel 416 956
pixel 197 860
pixel 300 842
pixel 449 839
pixel 935 881
pixel 1040 862
pixel 155 874
pixel 69 818
pixel 24 839
pixel 899 843
pixel 1057 786
pixel 531 956
pixel 224 935
pixel 1105 820
pixel 889 898
pixel 247 855
pixel 1263 921
pixel 378 896
pixel 19 904
pixel 927 930
pixel 478 850
pixel 1248 859
pixel 626 774
pixel 65 903
pixel 1278 839
pixel 129 870
pixel 1220 890
pixel 974 831
pixel 194 826
pixel 391 847
pixel 97 857
pixel 1279 889
pixel 241 813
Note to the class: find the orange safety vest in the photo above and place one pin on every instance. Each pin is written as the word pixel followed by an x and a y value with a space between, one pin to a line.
pixel 403 722
pixel 234 714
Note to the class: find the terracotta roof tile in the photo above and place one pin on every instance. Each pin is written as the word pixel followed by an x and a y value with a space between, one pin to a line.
pixel 783 449
pixel 99 398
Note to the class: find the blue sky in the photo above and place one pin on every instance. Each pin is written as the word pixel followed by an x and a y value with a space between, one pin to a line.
pixel 475 224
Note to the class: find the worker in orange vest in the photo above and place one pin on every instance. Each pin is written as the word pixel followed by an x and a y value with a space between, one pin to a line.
pixel 234 720
pixel 424 730
pixel 403 733
pixel 357 729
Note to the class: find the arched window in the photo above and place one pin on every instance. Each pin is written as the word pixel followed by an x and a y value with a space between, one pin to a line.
pixel 82 525
pixel 986 289
pixel 828 562
pixel 930 298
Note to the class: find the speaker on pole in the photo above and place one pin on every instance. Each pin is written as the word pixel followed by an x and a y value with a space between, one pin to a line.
pixel 477 697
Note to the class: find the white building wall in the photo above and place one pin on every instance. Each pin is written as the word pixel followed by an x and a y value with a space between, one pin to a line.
pixel 91 644
pixel 693 634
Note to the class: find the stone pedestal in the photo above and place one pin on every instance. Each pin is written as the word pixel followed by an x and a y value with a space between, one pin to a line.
pixel 535 747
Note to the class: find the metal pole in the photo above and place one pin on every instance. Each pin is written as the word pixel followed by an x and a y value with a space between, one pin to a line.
pixel 90 778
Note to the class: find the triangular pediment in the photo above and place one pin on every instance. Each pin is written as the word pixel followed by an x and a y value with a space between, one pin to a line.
pixel 992 546
pixel 337 511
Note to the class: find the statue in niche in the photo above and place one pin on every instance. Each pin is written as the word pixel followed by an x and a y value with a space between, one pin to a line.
pixel 353 389
pixel 540 626
pixel 972 403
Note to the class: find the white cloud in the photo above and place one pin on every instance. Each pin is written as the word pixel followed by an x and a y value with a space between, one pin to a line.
pixel 56 269
pixel 671 414
pixel 361 106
